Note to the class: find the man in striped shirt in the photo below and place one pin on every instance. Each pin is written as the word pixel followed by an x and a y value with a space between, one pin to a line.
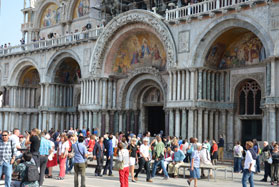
pixel 7 157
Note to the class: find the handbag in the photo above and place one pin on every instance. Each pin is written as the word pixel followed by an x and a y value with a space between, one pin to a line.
pixel 269 160
pixel 119 165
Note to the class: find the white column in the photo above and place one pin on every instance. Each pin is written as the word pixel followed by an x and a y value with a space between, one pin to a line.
pixel 87 92
pixel 199 129
pixel 6 121
pixel 82 92
pixel 205 127
pixel 184 124
pixel 120 121
pixel 75 120
pixel 170 86
pixel 28 116
pixel 171 133
pixel 93 92
pixel 187 86
pixel 183 85
pixel 90 125
pixel 44 121
pixel 40 121
pixel 190 132
pixel 192 85
pixel 211 124
pixel 95 119
pixel 177 123
pixel 51 120
pixel 230 125
pixel 57 126
pixel 42 95
pixel 97 92
pixel 62 121
pixel 114 93
pixel 81 120
pixel 109 94
pixel 90 92
pixel 272 124
pixel 178 85
pixel 216 126
pixel 46 95
pixel 174 85
pixel 104 103
pixel 273 78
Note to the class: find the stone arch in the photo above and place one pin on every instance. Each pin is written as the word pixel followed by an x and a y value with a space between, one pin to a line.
pixel 40 10
pixel 223 24
pixel 18 69
pixel 135 16
pixel 138 76
pixel 57 59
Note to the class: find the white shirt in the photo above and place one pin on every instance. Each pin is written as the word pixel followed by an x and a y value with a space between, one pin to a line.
pixel 62 147
pixel 248 161
pixel 144 150
pixel 124 156
pixel 205 157
pixel 15 139
pixel 237 151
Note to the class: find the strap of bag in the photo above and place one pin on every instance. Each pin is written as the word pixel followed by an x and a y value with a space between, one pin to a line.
pixel 80 152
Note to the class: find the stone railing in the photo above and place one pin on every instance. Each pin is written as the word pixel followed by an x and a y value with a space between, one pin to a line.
pixel 26 26
pixel 206 7
pixel 48 43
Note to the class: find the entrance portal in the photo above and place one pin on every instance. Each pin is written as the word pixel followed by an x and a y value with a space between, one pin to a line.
pixel 156 119
pixel 251 129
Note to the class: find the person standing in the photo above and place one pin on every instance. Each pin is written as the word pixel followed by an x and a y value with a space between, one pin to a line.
pixel 249 165
pixel 45 150
pixel 144 160
pixel 221 144
pixel 195 166
pixel 63 153
pixel 15 138
pixel 256 148
pixel 132 148
pixel 123 156
pixel 237 154
pixel 98 154
pixel 275 165
pixel 266 154
pixel 69 161
pixel 7 157
pixel 34 141
pixel 159 151
pixel 214 152
pixel 79 161
pixel 109 155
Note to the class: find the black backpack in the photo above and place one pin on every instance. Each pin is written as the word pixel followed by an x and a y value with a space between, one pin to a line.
pixel 31 173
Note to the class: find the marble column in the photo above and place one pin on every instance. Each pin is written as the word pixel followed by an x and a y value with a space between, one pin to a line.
pixel 103 127
pixel 97 91
pixel 171 132
pixel 223 123
pixel 99 122
pixel 85 117
pixel 93 92
pixel 12 123
pixel 136 114
pixel 20 122
pixel 128 120
pixel 90 93
pixel 204 90
pixel 184 124
pixel 205 127
pixel 57 124
pixel 57 96
pixel 104 101
pixel 42 95
pixel 272 124
pixel 190 131
pixel 174 86
pixel 273 81
pixel 208 92
pixel 183 85
pixel 178 85
pixel 72 120
pixel 217 95
pixel 187 85
pixel 167 113
pixel 211 124
pixel 65 96
pixel 192 85
pixel 111 120
pixel 2 120
pixel 51 120
pixel 109 98
pixel 90 125
pixel 81 120
pixel 230 125
pixel 114 94
pixel 62 123
pixel 28 117
pixel 264 124
pixel 213 86
pixel 6 122
pixel 216 125
pixel 177 123
pixel 227 98
pixel 120 121
pixel 67 121
pixel 46 94
pixel 237 129
pixel 199 129
pixel 222 85
pixel 82 92
pixel 40 121
pixel 44 121
pixel 170 86
pixel 200 85
pixel 95 119
pixel 75 120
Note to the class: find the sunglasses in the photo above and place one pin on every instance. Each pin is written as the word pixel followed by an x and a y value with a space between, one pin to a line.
pixel 4 135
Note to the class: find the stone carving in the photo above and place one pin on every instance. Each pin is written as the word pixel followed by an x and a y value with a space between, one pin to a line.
pixel 274 17
pixel 130 17
pixel 133 74
pixel 184 41
pixel 236 79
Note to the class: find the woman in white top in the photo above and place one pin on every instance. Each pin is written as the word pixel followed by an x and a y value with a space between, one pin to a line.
pixel 63 153
pixel 123 156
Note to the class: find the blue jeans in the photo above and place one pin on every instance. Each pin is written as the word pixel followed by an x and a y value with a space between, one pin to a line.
pixel 237 164
pixel 7 170
pixel 247 176
pixel 258 168
pixel 156 163
pixel 69 164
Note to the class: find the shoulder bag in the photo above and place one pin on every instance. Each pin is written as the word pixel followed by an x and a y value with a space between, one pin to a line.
pixel 119 165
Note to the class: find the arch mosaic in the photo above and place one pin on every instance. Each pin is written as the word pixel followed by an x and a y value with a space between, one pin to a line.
pixel 130 17
pixel 221 25
pixel 137 76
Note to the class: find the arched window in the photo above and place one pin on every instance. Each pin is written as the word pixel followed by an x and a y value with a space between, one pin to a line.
pixel 249 98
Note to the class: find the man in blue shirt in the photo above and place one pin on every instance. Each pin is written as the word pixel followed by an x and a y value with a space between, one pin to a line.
pixel 178 157
pixel 45 150
pixel 83 131
pixel 79 160
pixel 109 155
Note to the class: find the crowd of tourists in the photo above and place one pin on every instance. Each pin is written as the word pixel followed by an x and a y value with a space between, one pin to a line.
pixel 29 158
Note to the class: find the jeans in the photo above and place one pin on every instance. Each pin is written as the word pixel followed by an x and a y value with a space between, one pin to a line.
pixel 79 168
pixel 69 164
pixel 267 170
pixel 156 163
pixel 258 168
pixel 274 172
pixel 146 165
pixel 109 165
pixel 247 176
pixel 7 170
pixel 43 163
pixel 124 177
pixel 237 164
pixel 99 167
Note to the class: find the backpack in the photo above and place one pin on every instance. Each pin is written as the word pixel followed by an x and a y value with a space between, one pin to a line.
pixel 31 173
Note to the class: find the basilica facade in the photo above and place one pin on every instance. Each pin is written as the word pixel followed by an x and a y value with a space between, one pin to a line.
pixel 198 70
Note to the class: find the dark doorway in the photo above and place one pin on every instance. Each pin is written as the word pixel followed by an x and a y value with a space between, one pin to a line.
pixel 156 119
pixel 251 129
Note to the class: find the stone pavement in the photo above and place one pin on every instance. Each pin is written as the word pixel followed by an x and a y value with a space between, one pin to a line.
pixel 106 181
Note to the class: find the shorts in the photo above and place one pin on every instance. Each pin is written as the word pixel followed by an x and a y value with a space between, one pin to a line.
pixel 132 161
pixel 195 173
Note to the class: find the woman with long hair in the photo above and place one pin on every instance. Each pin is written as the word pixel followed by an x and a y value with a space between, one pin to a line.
pixel 52 158
pixel 123 156
pixel 214 152
pixel 132 148
pixel 63 153
pixel 275 165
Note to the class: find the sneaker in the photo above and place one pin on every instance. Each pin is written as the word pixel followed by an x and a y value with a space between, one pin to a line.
pixel 263 180
pixel 149 180
pixel 165 178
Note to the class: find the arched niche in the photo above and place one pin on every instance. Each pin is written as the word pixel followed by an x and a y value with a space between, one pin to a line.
pixel 50 16
pixel 81 8
pixel 29 77
pixel 236 47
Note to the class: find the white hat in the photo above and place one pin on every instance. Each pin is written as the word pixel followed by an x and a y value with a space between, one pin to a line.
pixel 199 144
pixel 204 146
pixel 146 139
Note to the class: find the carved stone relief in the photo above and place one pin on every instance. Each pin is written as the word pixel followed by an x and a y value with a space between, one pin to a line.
pixel 184 41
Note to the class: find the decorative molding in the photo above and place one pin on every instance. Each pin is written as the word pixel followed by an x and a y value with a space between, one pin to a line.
pixel 130 17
